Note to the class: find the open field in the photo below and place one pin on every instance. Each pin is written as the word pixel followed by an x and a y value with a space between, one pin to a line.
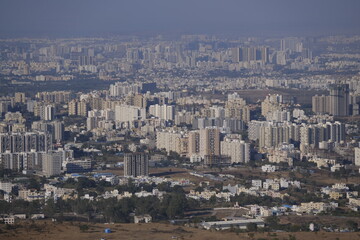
pixel 303 97
pixel 64 231
pixel 321 220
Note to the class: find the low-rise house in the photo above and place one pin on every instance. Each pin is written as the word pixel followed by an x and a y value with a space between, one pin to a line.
pixel 223 225
pixel 37 216
pixel 7 219
pixel 336 167
pixel 354 202
pixel 269 168
pixel 31 195
pixel 142 219
pixel 314 207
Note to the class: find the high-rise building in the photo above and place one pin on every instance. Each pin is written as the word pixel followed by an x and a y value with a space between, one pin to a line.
pixel 271 134
pixel 82 108
pixel 250 54
pixel 127 113
pixel 78 108
pixel 165 112
pixel 239 151
pixel 48 113
pixel 4 106
pixel 52 162
pixel 320 104
pixel 271 103
pixel 210 141
pixel 172 141
pixel 313 134
pixel 72 107
pixel 54 97
pixel 339 100
pixel 194 143
pixel 91 123
pixel 22 160
pixel 58 131
pixel 20 97
pixel 354 105
pixel 119 89
pixel 55 128
pixel 6 187
pixel 25 142
pixel 292 44
pixel 136 164
pixel 233 110
pixel 357 156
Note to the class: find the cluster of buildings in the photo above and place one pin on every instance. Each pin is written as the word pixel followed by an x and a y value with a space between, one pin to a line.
pixel 177 103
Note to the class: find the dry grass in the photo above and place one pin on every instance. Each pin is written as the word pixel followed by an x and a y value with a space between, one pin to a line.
pixel 64 231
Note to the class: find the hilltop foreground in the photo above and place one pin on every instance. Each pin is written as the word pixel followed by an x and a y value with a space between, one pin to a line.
pixel 74 230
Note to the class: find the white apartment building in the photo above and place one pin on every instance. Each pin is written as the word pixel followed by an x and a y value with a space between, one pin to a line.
pixel 238 150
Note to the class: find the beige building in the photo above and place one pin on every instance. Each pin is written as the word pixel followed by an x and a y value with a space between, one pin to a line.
pixel 194 143
pixel 357 156
pixel 313 207
pixel 78 108
pixel 54 97
pixel 239 151
pixel 236 108
pixel 320 104
pixel 20 97
pixel 173 141
pixel 271 103
pixel 127 113
pixel 210 141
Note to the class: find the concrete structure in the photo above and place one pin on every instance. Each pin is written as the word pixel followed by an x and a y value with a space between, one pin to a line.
pixel 209 141
pixel 52 163
pixel 239 151
pixel 25 142
pixel 77 166
pixel 165 112
pixel 357 156
pixel 223 225
pixel 143 219
pixel 339 99
pixel 136 164
pixel 127 113
pixel 6 187
pixel 172 141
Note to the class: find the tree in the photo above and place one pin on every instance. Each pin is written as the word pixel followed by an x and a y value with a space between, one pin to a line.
pixel 34 184
pixel 83 227
pixel 177 204
pixel 251 227
pixel 212 200
pixel 272 222
pixel 352 225
pixel 50 208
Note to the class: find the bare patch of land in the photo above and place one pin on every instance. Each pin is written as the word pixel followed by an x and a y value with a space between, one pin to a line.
pixel 42 230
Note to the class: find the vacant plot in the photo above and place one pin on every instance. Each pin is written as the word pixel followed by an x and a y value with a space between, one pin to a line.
pixel 302 97
pixel 64 231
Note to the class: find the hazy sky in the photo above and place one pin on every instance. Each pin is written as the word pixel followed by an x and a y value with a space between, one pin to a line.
pixel 245 17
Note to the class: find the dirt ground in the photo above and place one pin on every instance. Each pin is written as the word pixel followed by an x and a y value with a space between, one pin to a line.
pixel 303 97
pixel 321 220
pixel 42 230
